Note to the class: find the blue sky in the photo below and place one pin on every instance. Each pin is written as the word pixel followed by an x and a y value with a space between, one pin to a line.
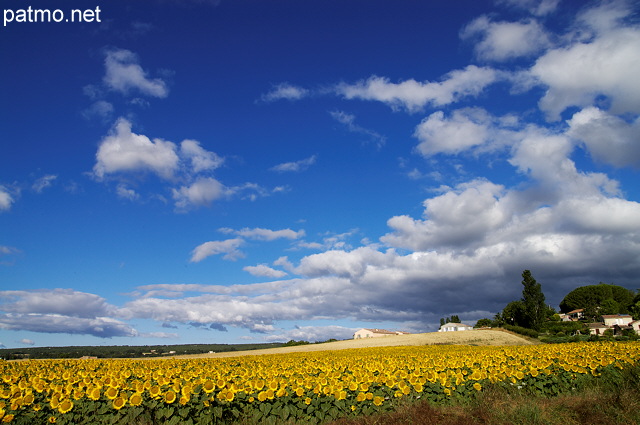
pixel 255 171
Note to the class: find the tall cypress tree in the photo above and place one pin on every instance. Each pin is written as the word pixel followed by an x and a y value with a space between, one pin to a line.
pixel 533 302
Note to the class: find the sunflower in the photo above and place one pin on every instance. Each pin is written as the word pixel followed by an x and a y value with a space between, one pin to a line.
pixel 155 391
pixel 208 386
pixel 477 386
pixel 170 396
pixel 119 402
pixel 377 400
pixel 65 406
pixel 52 419
pixel 135 399
pixel 307 401
pixel 111 393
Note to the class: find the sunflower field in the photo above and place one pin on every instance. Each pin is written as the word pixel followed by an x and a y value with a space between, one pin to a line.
pixel 312 387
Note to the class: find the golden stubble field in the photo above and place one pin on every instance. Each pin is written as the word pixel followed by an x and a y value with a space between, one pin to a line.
pixel 474 337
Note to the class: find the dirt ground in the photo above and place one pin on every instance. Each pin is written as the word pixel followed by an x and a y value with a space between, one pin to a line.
pixel 474 337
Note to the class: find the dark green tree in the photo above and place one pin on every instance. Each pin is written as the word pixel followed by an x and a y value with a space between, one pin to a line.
pixel 511 314
pixel 534 308
pixel 591 298
pixel 484 323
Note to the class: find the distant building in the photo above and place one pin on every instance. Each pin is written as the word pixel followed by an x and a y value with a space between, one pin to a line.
pixel 573 315
pixel 374 333
pixel 616 322
pixel 449 327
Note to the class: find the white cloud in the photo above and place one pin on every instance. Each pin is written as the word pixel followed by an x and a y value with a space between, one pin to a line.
pixel 100 109
pixel 348 120
pixel 201 159
pixel 124 74
pixel 102 327
pixel 295 166
pixel 65 302
pixel 313 334
pixel 60 311
pixel 500 41
pixel 27 341
pixel 43 182
pixel 124 151
pixel 202 192
pixel 465 129
pixel 126 193
pixel 264 271
pixel 227 247
pixel 608 138
pixel 265 234
pixel 285 91
pixel 413 95
pixel 536 7
pixel 605 64
pixel 5 199
pixel 463 216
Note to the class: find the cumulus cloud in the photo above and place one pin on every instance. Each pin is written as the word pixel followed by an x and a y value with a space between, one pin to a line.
pixel 605 64
pixel 227 247
pixel 295 166
pixel 60 311
pixel 6 200
pixel 285 91
pixel 263 270
pixel 262 234
pixel 201 159
pixel 66 302
pixel 313 334
pixel 102 327
pixel 500 41
pixel 202 192
pixel 124 74
pixel 414 95
pixel 125 151
pixel 464 130
pixel 609 138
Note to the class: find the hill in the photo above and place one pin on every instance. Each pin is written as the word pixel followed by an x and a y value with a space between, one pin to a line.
pixel 474 337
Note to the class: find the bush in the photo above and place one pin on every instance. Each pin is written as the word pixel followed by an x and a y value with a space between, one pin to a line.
pixel 522 331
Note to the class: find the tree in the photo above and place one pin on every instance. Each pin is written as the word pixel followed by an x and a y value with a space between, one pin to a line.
pixel 453 319
pixel 534 308
pixel 595 299
pixel 484 323
pixel 512 314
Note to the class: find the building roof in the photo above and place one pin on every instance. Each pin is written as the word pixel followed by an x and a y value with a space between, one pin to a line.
pixel 615 316
pixel 379 331
pixel 452 324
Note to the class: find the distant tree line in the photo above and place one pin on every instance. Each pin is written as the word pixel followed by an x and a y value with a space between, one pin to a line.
pixel 125 351
pixel 453 319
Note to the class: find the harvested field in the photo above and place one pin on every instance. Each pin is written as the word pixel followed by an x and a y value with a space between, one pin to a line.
pixel 474 337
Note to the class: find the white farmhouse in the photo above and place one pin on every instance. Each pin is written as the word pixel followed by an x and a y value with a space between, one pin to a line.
pixel 617 319
pixel 449 327
pixel 372 333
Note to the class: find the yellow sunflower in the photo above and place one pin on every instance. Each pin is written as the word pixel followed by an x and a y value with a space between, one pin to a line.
pixel 170 396
pixel 65 406
pixel 135 399
pixel 118 403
